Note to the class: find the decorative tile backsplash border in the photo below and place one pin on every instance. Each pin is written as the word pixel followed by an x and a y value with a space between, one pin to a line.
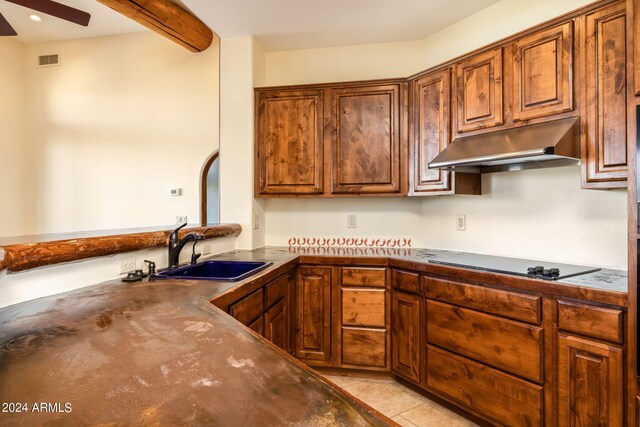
pixel 352 242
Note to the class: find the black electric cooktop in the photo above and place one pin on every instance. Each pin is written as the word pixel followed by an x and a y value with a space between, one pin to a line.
pixel 518 267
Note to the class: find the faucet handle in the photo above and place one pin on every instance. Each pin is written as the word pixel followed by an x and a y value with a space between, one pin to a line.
pixel 174 234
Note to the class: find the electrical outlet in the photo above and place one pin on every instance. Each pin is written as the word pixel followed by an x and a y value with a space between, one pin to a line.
pixel 352 221
pixel 127 265
pixel 256 221
pixel 461 222
pixel 206 249
pixel 181 219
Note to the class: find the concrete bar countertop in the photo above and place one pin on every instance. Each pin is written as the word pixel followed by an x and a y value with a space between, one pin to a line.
pixel 160 352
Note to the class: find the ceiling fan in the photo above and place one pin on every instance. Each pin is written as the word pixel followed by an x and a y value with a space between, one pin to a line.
pixel 49 7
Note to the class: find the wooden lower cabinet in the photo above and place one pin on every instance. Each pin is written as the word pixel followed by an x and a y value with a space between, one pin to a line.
pixel 590 383
pixel 313 313
pixel 267 311
pixel 505 399
pixel 276 325
pixel 364 347
pixel 508 345
pixel 406 327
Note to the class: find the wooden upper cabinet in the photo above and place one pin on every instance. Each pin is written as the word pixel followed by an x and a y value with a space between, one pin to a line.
pixel 604 154
pixel 635 47
pixel 431 96
pixel 365 142
pixel 543 73
pixel 590 383
pixel 478 92
pixel 289 142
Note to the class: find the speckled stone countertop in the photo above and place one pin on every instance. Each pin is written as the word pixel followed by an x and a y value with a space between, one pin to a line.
pixel 158 352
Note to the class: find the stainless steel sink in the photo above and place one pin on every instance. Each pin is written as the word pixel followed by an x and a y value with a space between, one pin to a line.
pixel 231 271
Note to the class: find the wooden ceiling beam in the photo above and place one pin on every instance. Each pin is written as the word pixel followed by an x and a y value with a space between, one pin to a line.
pixel 167 19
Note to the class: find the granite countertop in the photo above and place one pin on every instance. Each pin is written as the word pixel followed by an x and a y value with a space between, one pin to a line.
pixel 160 352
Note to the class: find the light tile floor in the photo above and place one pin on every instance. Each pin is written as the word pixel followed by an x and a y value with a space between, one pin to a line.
pixel 401 404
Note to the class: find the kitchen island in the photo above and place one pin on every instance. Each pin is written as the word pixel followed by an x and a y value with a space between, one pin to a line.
pixel 160 352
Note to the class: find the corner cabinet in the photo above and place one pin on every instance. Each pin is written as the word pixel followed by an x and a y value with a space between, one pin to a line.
pixel 429 134
pixel 289 142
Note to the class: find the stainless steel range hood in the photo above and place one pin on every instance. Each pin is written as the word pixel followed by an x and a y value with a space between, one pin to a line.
pixel 554 143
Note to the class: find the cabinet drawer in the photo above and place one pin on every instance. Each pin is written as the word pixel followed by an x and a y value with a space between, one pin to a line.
pixel 405 281
pixel 506 399
pixel 364 347
pixel 363 307
pixel 504 303
pixel 374 277
pixel 277 290
pixel 596 322
pixel 512 346
pixel 249 308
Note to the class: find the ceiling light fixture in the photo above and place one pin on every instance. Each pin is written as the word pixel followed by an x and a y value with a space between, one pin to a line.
pixel 36 18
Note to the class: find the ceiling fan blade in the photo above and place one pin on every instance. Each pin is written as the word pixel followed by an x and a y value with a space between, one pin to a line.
pixel 5 28
pixel 58 10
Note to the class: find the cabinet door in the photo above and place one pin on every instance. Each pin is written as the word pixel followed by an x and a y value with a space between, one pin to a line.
pixel 604 161
pixel 590 381
pixel 289 142
pixel 431 97
pixel 405 335
pixel 478 92
pixel 543 73
pixel 634 8
pixel 313 313
pixel 276 324
pixel 365 144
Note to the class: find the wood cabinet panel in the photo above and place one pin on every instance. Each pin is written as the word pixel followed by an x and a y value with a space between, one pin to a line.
pixel 634 11
pixel 507 400
pixel 596 322
pixel 543 73
pixel 504 303
pixel 277 325
pixel 406 323
pixel 364 347
pixel 365 146
pixel 431 111
pixel 249 308
pixel 257 326
pixel 289 142
pixel 604 158
pixel 363 307
pixel 478 88
pixel 360 276
pixel 313 313
pixel 277 290
pixel 512 346
pixel 590 383
pixel 405 281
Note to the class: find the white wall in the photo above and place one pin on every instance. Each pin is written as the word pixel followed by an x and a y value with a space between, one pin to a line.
pixel 119 123
pixel 540 214
pixel 238 56
pixel 16 173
